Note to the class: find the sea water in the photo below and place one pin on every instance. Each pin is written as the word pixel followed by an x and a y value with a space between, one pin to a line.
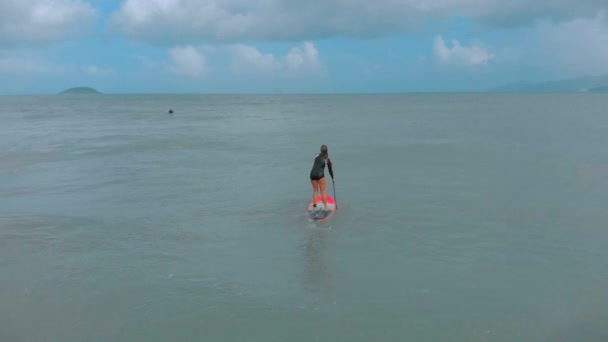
pixel 462 217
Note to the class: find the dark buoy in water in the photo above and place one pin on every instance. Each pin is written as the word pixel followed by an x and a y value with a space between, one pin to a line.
pixel 171 111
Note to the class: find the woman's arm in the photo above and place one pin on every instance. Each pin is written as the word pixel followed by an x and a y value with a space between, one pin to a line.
pixel 329 167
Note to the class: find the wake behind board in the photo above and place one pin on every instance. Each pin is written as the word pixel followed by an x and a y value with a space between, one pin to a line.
pixel 319 214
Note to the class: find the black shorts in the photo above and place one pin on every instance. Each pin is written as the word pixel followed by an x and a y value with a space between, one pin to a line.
pixel 316 177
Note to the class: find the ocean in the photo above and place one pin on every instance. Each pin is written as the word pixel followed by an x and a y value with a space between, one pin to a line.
pixel 462 217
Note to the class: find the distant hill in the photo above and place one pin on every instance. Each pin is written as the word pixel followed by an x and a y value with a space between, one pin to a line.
pixel 80 90
pixel 594 84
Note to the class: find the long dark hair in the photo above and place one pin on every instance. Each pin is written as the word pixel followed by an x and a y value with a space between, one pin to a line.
pixel 324 151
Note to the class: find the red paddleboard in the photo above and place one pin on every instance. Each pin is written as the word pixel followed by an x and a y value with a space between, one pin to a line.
pixel 320 214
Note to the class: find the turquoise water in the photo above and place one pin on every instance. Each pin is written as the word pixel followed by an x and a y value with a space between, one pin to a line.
pixel 463 217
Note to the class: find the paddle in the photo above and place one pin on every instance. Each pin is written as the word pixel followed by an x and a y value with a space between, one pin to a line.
pixel 334 185
pixel 335 198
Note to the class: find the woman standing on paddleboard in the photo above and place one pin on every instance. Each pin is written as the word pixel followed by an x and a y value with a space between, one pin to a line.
pixel 317 176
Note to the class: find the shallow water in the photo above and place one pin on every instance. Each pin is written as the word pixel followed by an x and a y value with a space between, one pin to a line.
pixel 464 217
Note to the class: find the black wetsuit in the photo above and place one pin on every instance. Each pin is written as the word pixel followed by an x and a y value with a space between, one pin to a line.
pixel 318 168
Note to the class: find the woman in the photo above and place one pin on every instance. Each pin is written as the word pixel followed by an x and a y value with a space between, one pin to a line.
pixel 317 176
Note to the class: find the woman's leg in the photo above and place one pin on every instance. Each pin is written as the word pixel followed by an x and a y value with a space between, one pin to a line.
pixel 315 187
pixel 322 183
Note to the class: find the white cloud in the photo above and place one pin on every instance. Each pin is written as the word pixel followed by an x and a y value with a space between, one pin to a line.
pixel 303 58
pixel 579 46
pixel 24 21
pixel 249 59
pixel 187 61
pixel 298 60
pixel 458 54
pixel 176 21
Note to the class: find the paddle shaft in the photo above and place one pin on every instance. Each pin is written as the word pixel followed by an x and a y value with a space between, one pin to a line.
pixel 335 198
pixel 334 186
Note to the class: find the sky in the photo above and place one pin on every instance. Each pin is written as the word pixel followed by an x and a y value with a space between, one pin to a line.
pixel 291 46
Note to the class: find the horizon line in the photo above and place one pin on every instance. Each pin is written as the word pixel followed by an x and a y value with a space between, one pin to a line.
pixel 313 93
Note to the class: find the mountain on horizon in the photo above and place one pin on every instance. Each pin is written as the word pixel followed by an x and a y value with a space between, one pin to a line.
pixel 80 91
pixel 590 84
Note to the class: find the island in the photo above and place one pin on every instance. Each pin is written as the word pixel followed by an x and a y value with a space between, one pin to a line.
pixel 80 91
